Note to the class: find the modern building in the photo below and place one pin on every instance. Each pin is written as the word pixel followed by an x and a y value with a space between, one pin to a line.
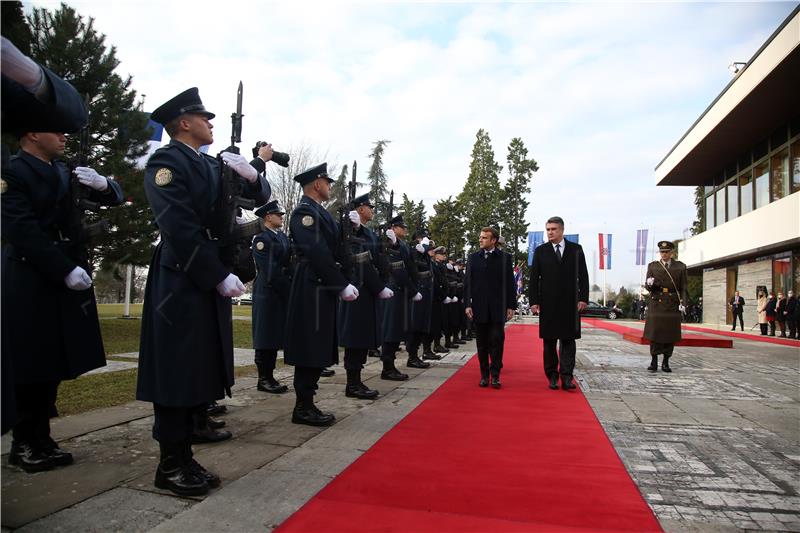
pixel 744 150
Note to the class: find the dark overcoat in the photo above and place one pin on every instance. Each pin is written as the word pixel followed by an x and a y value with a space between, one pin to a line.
pixel 270 289
pixel 438 307
pixel 663 324
pixel 557 287
pixel 397 310
pixel 421 310
pixel 454 309
pixel 489 286
pixel 50 332
pixel 317 281
pixel 186 348
pixel 359 321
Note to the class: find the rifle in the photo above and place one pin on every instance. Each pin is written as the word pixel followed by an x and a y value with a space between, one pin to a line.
pixel 388 253
pixel 235 238
pixel 347 235
pixel 80 197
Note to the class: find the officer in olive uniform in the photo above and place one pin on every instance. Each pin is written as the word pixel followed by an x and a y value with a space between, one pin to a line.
pixel 397 310
pixel 439 296
pixel 319 281
pixel 666 281
pixel 49 313
pixel 420 310
pixel 360 320
pixel 270 295
pixel 186 349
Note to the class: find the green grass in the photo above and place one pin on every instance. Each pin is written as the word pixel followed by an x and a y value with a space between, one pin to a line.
pixel 96 391
pixel 116 310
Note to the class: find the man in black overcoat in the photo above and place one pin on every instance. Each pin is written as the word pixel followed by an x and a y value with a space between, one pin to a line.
pixel 558 291
pixel 271 253
pixel 490 300
pixel 737 310
pixel 186 348
pixel 318 282
pixel 792 315
pixel 50 329
pixel 421 309
pixel 432 345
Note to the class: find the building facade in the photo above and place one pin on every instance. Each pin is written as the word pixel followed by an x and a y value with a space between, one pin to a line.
pixel 744 151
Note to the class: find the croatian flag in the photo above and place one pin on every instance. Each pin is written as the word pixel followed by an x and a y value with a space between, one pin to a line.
pixel 641 246
pixel 518 279
pixel 604 240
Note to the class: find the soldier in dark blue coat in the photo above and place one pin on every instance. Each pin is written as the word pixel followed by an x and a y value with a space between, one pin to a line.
pixel 431 343
pixel 270 295
pixel 46 287
pixel 397 310
pixel 360 320
pixel 420 310
pixel 186 349
pixel 453 306
pixel 317 283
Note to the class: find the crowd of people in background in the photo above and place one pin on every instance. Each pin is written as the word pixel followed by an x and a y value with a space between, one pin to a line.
pixel 778 313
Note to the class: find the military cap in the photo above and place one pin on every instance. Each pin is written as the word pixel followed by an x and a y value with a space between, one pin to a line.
pixel 420 233
pixel 362 200
pixel 459 261
pixel 186 102
pixel 664 246
pixel 269 208
pixel 313 173
pixel 439 250
pixel 398 221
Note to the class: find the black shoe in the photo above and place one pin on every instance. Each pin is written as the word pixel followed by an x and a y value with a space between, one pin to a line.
pixel 554 382
pixel 211 479
pixel 430 356
pixel 440 349
pixel 665 367
pixel 59 456
pixel 373 353
pixel 460 341
pixel 496 382
pixel 484 382
pixel 215 409
pixel 393 375
pixel 360 391
pixel 653 364
pixel 272 386
pixel 312 417
pixel 451 346
pixel 416 362
pixel 181 480
pixel 29 457
pixel 327 372
pixel 216 424
pixel 204 435
pixel 567 384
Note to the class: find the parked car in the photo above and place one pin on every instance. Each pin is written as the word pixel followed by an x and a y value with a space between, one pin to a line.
pixel 594 309
pixel 244 300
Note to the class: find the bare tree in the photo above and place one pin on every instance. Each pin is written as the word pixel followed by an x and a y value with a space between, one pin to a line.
pixel 284 188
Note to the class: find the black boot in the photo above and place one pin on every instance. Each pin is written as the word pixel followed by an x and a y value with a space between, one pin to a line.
pixel 266 382
pixel 438 348
pixel 211 479
pixel 427 353
pixel 216 409
pixel 59 456
pixel 30 456
pixel 415 362
pixel 665 363
pixel 448 343
pixel 356 389
pixel 327 372
pixel 305 412
pixel 653 363
pixel 174 474
pixel 390 373
pixel 203 433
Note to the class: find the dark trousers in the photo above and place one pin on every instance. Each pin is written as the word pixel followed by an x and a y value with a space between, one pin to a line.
pixel 782 327
pixel 388 349
pixel 414 340
pixel 36 403
pixel 355 358
pixel 792 324
pixel 490 339
pixel 266 359
pixel 173 425
pixel 763 328
pixel 772 328
pixel 305 382
pixel 552 356
pixel 741 320
pixel 657 348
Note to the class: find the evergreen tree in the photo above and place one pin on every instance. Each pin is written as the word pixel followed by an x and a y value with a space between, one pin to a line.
pixel 446 226
pixel 338 192
pixel 15 27
pixel 699 199
pixel 377 180
pixel 70 46
pixel 479 201
pixel 413 214
pixel 514 204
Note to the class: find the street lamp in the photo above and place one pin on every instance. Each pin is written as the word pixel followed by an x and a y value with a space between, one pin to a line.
pixel 736 66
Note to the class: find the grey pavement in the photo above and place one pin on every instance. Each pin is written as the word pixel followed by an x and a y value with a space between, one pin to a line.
pixel 714 446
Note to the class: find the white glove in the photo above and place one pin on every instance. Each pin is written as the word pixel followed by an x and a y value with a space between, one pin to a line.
pixel 420 248
pixel 230 286
pixel 449 266
pixel 89 177
pixel 78 279
pixel 354 218
pixel 349 293
pixel 417 297
pixel 391 235
pixel 447 300
pixel 240 165
pixel 426 241
pixel 455 299
pixel 650 282
pixel 682 308
pixel 386 293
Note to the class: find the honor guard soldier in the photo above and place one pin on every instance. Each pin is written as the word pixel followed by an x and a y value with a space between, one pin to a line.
pixel 186 349
pixel 271 252
pixel 666 281
pixel 397 315
pixel 318 282
pixel 453 306
pixel 359 321
pixel 46 287
pixel 420 310
pixel 431 344
pixel 465 324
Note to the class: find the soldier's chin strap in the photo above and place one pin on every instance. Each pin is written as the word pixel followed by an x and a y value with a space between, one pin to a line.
pixel 680 300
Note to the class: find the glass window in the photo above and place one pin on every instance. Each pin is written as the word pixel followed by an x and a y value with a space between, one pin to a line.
pixel 782 275
pixel 761 177
pixel 780 175
pixel 746 192
pixel 796 166
pixel 720 201
pixel 709 211
pixel 733 199
pixel 796 274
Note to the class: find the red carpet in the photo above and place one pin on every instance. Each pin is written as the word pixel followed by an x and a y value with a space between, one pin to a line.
pixel 523 458
pixel 636 335
pixel 760 338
